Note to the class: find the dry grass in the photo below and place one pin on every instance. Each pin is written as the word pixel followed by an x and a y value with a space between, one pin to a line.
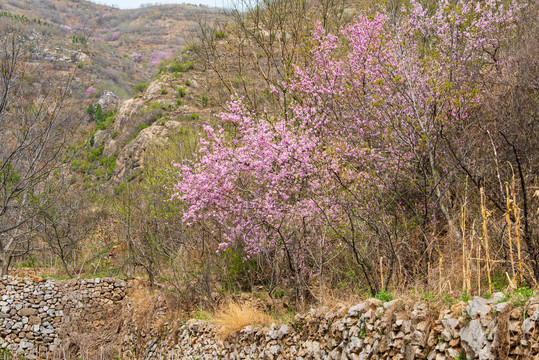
pixel 233 317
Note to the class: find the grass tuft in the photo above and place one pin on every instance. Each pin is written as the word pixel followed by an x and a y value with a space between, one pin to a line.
pixel 233 317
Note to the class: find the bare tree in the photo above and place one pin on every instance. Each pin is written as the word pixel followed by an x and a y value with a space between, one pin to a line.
pixel 34 130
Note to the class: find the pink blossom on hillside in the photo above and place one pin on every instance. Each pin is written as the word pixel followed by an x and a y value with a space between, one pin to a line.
pixel 136 57
pixel 372 101
pixel 90 92
pixel 158 56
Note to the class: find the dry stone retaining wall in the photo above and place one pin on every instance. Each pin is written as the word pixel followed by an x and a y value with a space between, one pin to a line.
pixel 38 318
pixel 31 313
pixel 481 329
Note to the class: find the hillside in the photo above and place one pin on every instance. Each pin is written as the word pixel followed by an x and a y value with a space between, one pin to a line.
pixel 114 49
pixel 147 30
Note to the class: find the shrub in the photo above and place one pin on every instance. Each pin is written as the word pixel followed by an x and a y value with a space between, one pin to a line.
pixel 175 66
pixel 194 116
pixel 181 92
pixel 90 110
pixel 140 87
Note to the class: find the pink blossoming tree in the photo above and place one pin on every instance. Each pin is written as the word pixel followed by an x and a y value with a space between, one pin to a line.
pixel 357 147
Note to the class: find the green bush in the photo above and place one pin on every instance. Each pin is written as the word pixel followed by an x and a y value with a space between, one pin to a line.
pixel 175 66
pixel 194 116
pixel 181 92
pixel 140 87
pixel 90 110
pixel 96 153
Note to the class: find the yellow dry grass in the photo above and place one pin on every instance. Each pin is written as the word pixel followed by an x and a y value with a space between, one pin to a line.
pixel 233 317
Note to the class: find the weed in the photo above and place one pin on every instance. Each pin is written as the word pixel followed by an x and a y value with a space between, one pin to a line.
pixel 506 298
pixel 202 315
pixel 385 296
pixel 521 296
pixel 220 35
pixel 428 296
pixel 363 332
pixel 449 300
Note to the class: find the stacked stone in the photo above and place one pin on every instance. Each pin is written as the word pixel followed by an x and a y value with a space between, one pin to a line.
pixel 480 329
pixel 83 293
pixel 31 312
pixel 29 315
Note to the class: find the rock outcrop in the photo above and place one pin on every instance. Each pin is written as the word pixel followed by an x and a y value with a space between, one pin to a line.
pixel 131 159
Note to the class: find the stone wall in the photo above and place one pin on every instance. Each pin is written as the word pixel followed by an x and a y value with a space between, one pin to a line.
pixel 480 329
pixel 75 317
pixel 33 312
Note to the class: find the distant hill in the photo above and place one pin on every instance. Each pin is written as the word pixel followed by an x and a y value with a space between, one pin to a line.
pixel 114 49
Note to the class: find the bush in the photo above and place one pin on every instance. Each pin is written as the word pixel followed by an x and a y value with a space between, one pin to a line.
pixel 181 92
pixel 140 87
pixel 175 66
